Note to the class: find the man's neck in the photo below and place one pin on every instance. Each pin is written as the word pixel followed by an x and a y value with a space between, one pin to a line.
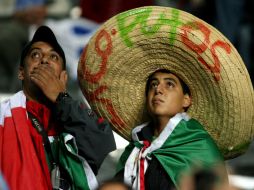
pixel 159 124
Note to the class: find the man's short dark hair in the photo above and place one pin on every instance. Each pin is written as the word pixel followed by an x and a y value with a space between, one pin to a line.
pixel 185 88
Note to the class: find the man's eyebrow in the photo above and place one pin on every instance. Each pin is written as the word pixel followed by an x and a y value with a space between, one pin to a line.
pixel 154 78
pixel 33 48
pixel 171 79
pixel 166 78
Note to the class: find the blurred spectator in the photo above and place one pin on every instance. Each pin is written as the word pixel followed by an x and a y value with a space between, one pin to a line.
pixel 113 185
pixel 101 10
pixel 16 16
pixel 205 178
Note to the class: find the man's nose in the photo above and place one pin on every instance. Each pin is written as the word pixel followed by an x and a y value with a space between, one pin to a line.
pixel 44 60
pixel 159 89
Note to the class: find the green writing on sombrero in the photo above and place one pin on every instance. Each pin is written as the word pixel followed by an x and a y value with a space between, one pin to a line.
pixel 141 17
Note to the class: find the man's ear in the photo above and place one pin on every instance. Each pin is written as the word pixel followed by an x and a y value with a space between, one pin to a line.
pixel 186 101
pixel 21 73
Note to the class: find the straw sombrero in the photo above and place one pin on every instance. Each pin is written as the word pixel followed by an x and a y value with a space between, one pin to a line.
pixel 126 49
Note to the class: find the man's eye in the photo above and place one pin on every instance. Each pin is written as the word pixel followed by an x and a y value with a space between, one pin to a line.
pixel 153 85
pixel 54 57
pixel 170 84
pixel 36 55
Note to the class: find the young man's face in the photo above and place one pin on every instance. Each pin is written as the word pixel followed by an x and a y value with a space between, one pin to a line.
pixel 40 53
pixel 165 97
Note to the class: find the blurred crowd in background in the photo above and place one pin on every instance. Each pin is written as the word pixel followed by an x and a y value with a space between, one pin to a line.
pixel 75 21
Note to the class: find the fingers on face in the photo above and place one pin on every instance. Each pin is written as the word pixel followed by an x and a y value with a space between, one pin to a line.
pixel 45 71
pixel 38 79
pixel 42 74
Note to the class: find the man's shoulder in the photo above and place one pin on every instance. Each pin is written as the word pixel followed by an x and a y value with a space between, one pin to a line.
pixel 194 127
pixel 16 100
pixel 195 124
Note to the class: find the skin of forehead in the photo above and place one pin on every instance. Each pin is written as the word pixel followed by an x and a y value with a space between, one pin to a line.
pixel 151 78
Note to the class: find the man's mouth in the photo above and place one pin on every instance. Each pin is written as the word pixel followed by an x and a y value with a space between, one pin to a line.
pixel 157 101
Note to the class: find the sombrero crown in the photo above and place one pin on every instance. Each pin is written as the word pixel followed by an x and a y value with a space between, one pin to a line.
pixel 126 49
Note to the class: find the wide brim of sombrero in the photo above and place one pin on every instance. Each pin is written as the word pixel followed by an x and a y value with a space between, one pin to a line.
pixel 127 48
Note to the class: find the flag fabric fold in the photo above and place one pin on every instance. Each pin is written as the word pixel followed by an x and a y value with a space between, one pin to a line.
pixel 23 161
pixel 182 145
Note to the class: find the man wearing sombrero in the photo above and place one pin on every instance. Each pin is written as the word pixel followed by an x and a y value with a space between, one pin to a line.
pixel 175 87
pixel 171 143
